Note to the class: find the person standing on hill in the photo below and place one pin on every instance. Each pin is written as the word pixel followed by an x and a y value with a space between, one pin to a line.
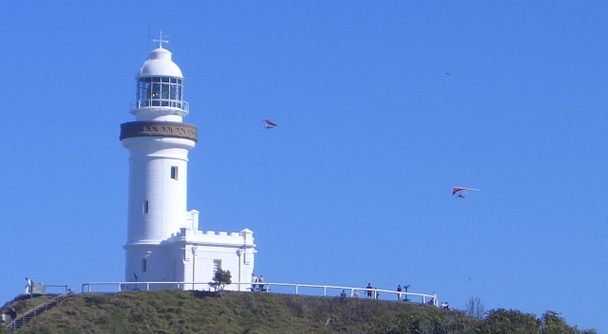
pixel 254 282
pixel 29 284
pixel 399 289
pixel 433 300
pixel 369 290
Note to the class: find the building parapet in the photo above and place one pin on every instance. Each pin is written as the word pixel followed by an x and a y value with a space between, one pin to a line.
pixel 221 238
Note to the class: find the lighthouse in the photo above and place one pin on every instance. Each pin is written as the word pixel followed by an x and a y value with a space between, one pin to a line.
pixel 164 243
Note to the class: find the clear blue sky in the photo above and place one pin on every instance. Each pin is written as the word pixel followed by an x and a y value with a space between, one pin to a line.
pixel 354 185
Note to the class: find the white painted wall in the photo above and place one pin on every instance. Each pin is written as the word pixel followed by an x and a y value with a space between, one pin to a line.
pixel 235 251
pixel 150 162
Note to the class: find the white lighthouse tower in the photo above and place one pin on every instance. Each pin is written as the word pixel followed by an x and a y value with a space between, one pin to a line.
pixel 163 240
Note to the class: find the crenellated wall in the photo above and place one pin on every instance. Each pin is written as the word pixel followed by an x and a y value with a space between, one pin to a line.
pixel 244 237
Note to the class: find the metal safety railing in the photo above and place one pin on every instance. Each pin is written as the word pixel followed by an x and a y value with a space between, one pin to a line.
pixel 160 103
pixel 287 288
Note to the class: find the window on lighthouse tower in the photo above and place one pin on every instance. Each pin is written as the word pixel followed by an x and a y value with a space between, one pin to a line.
pixel 174 172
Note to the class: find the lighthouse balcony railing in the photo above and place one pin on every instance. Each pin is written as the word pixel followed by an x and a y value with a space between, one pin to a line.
pixel 272 287
pixel 161 103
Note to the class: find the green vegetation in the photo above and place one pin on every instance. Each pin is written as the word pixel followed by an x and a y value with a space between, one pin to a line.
pixel 221 278
pixel 175 311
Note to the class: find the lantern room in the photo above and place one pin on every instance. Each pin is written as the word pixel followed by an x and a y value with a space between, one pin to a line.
pixel 160 89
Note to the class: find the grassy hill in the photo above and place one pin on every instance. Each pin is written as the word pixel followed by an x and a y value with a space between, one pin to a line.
pixel 175 311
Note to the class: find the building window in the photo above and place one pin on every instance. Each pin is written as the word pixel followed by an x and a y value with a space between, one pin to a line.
pixel 144 265
pixel 217 264
pixel 174 172
pixel 144 207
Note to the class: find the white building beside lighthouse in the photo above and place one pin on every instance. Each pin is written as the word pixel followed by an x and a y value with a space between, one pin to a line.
pixel 164 243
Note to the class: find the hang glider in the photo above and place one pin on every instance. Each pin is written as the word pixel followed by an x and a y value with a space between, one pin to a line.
pixel 269 124
pixel 460 191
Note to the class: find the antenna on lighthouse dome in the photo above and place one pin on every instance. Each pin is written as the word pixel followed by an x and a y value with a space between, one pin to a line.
pixel 162 39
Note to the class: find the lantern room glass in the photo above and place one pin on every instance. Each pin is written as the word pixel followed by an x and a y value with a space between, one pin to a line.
pixel 160 92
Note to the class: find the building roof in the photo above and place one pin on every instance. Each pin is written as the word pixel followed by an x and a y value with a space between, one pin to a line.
pixel 159 64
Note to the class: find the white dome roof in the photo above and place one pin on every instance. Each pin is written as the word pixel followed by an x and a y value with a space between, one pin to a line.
pixel 159 64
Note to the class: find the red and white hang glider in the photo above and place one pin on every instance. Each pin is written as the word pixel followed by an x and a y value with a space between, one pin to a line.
pixel 269 124
pixel 460 191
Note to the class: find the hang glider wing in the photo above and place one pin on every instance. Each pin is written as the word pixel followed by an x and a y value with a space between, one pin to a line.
pixel 269 124
pixel 460 191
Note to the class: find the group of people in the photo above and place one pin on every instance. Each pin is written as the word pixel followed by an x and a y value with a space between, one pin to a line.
pixel 11 313
pixel 355 294
pixel 257 284
pixel 373 293
pixel 370 291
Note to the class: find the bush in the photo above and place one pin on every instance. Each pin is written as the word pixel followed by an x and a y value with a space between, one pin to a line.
pixel 221 279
